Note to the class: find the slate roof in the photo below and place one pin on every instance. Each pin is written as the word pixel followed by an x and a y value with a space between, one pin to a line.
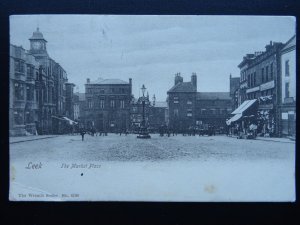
pixel 213 95
pixel 183 87
pixel 109 81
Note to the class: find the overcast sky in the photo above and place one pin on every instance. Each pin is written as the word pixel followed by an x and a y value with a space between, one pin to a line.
pixel 151 49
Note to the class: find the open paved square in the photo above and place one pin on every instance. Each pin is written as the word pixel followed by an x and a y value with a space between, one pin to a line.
pixel 176 168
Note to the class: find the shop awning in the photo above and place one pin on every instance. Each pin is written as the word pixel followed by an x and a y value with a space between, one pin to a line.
pixel 71 122
pixel 234 118
pixel 244 106
pixel 55 117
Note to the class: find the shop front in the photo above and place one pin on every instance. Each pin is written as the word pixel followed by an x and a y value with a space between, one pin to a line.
pixel 243 123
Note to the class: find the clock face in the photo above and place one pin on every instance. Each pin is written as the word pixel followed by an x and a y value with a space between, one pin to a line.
pixel 36 45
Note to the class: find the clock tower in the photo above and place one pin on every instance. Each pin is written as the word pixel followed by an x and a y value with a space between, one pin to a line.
pixel 38 44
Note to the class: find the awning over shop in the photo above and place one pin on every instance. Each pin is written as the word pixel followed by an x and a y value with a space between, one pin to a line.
pixel 71 122
pixel 234 118
pixel 244 106
pixel 55 117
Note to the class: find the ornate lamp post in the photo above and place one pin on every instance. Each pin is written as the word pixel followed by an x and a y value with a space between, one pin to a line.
pixel 143 132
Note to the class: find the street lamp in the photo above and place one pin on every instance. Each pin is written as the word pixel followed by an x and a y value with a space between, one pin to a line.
pixel 143 132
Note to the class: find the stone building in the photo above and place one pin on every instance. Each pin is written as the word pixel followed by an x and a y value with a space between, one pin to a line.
pixel 70 100
pixel 260 80
pixel 51 87
pixel 108 104
pixel 189 108
pixel 37 89
pixel 23 104
pixel 288 86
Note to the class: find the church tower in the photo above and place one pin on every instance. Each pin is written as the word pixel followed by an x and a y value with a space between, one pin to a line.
pixel 38 44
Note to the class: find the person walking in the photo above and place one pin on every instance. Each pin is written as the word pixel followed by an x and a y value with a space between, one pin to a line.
pixel 82 133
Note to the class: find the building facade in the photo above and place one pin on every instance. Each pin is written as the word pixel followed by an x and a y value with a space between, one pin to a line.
pixel 37 89
pixel 23 104
pixel 182 103
pixel 288 86
pixel 260 79
pixel 107 104
pixel 188 108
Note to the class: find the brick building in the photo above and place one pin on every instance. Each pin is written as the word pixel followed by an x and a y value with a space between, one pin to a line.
pixel 189 108
pixel 288 86
pixel 107 104
pixel 261 80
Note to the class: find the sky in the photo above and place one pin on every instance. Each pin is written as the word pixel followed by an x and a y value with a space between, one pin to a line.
pixel 152 49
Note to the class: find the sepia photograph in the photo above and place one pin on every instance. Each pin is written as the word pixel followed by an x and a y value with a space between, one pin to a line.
pixel 155 108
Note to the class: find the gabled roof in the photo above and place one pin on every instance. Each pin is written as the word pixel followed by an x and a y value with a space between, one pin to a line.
pixel 109 81
pixel 213 96
pixel 183 87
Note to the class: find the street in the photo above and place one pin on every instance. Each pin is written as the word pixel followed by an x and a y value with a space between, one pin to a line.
pixel 176 168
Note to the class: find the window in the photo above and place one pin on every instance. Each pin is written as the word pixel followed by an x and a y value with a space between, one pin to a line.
pixel 176 112
pixel 90 104
pixel 102 104
pixel 19 66
pixel 217 111
pixel 102 91
pixel 189 113
pixel 287 90
pixel 176 100
pixel 254 78
pixel 112 90
pixel 189 102
pixel 262 75
pixel 271 71
pixel 287 68
pixel 248 80
pixel 267 73
pixel 134 109
pixel 122 104
pixel 19 91
pixel 112 103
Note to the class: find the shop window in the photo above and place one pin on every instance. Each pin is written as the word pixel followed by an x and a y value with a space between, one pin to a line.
pixel 189 102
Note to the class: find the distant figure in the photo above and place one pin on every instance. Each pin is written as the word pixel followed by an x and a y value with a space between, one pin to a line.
pixel 82 133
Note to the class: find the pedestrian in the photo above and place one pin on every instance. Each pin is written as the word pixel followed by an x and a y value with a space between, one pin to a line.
pixel 82 134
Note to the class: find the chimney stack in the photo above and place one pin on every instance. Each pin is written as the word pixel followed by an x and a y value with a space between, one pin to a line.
pixel 88 80
pixel 194 81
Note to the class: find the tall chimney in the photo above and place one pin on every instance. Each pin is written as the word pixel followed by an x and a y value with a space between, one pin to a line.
pixel 178 78
pixel 194 81
pixel 130 83
pixel 88 80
